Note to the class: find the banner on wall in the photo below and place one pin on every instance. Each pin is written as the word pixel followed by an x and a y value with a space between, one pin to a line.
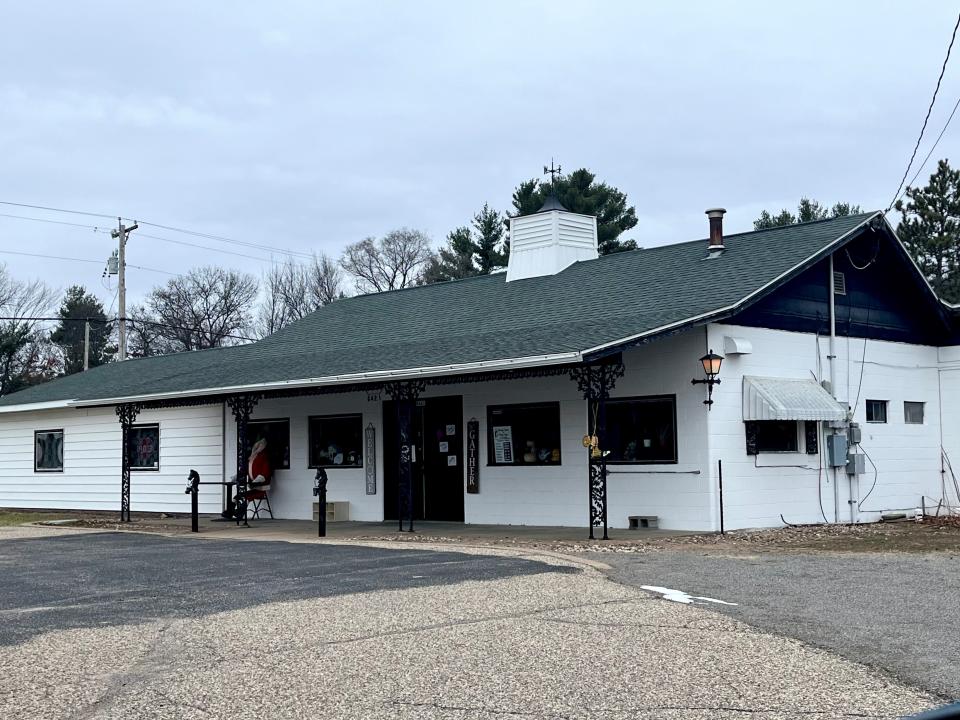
pixel 473 456
pixel 370 458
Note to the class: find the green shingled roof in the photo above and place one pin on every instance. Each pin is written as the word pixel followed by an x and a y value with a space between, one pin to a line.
pixel 590 304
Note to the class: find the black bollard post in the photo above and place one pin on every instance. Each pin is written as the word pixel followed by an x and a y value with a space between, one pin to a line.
pixel 320 492
pixel 193 490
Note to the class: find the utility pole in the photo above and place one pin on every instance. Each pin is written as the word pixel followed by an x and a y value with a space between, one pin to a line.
pixel 121 234
pixel 86 345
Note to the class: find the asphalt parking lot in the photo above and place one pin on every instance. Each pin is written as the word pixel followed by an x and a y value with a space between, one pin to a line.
pixel 895 611
pixel 92 580
pixel 119 626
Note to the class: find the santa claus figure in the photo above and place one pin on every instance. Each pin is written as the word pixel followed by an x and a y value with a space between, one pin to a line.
pixel 258 467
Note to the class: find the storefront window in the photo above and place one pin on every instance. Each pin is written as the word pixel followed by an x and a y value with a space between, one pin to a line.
pixel 641 430
pixel 336 441
pixel 48 451
pixel 277 435
pixel 523 434
pixel 143 446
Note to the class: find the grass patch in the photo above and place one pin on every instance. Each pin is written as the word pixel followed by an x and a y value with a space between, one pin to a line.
pixel 21 517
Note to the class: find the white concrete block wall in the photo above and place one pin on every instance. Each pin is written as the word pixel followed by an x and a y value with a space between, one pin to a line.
pixel 949 361
pixel 189 438
pixel 526 495
pixel 758 489
pixel 558 495
pixel 291 492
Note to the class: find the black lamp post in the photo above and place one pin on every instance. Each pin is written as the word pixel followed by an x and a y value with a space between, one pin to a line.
pixel 711 367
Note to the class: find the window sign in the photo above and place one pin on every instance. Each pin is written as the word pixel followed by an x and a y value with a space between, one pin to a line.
pixel 503 445
pixel 526 434
pixel 48 451
pixel 143 447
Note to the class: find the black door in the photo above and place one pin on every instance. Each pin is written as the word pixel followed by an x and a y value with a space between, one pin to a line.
pixel 437 459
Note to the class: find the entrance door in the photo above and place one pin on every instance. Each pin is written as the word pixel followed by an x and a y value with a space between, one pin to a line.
pixel 437 467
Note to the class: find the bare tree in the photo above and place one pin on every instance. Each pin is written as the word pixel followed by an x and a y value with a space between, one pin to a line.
pixel 26 354
pixel 146 337
pixel 294 290
pixel 206 308
pixel 397 260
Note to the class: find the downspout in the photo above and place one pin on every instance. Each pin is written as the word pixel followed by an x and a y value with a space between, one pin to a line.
pixel 831 358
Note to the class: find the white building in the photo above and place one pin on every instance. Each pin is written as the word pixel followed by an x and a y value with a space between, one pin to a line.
pixel 380 388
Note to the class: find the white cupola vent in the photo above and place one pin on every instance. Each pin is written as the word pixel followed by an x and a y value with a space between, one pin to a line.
pixel 550 240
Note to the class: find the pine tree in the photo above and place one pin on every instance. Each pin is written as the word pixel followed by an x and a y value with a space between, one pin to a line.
pixel 469 252
pixel 77 305
pixel 454 261
pixel 807 211
pixel 488 243
pixel 930 229
pixel 580 192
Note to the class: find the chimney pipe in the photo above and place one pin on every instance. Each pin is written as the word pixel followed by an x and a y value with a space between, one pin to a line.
pixel 716 229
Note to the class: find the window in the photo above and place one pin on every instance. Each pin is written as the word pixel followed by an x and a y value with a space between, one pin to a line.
pixel 277 435
pixel 641 430
pixel 48 451
pixel 335 441
pixel 877 411
pixel 143 446
pixel 523 434
pixel 913 412
pixel 778 436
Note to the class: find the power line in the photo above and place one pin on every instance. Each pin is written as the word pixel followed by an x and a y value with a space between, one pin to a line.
pixel 926 119
pixel 936 142
pixel 83 260
pixel 208 236
pixel 50 257
pixel 201 247
pixel 220 238
pixel 52 222
pixel 60 210
pixel 97 229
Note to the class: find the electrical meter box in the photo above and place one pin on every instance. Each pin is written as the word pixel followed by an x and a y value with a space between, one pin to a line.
pixel 856 464
pixel 855 434
pixel 837 450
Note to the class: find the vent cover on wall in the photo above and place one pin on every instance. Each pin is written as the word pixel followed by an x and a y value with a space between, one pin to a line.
pixel 839 283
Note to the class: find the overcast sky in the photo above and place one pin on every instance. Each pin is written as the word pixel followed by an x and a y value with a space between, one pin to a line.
pixel 309 125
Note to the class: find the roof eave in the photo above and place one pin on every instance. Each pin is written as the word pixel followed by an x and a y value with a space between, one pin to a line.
pixel 372 377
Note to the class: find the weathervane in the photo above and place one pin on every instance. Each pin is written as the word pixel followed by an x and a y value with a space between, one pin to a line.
pixel 553 172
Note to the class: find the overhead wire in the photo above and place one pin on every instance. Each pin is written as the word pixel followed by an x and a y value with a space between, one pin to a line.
pixel 83 260
pixel 171 228
pixel 932 148
pixel 107 231
pixel 926 118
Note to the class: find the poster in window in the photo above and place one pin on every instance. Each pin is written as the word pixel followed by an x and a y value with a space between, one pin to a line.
pixel 144 447
pixel 503 444
pixel 48 451
pixel 473 456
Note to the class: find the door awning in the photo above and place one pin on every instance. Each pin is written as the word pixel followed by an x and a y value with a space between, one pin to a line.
pixel 788 399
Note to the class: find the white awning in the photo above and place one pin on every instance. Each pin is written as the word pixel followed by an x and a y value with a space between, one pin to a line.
pixel 788 399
